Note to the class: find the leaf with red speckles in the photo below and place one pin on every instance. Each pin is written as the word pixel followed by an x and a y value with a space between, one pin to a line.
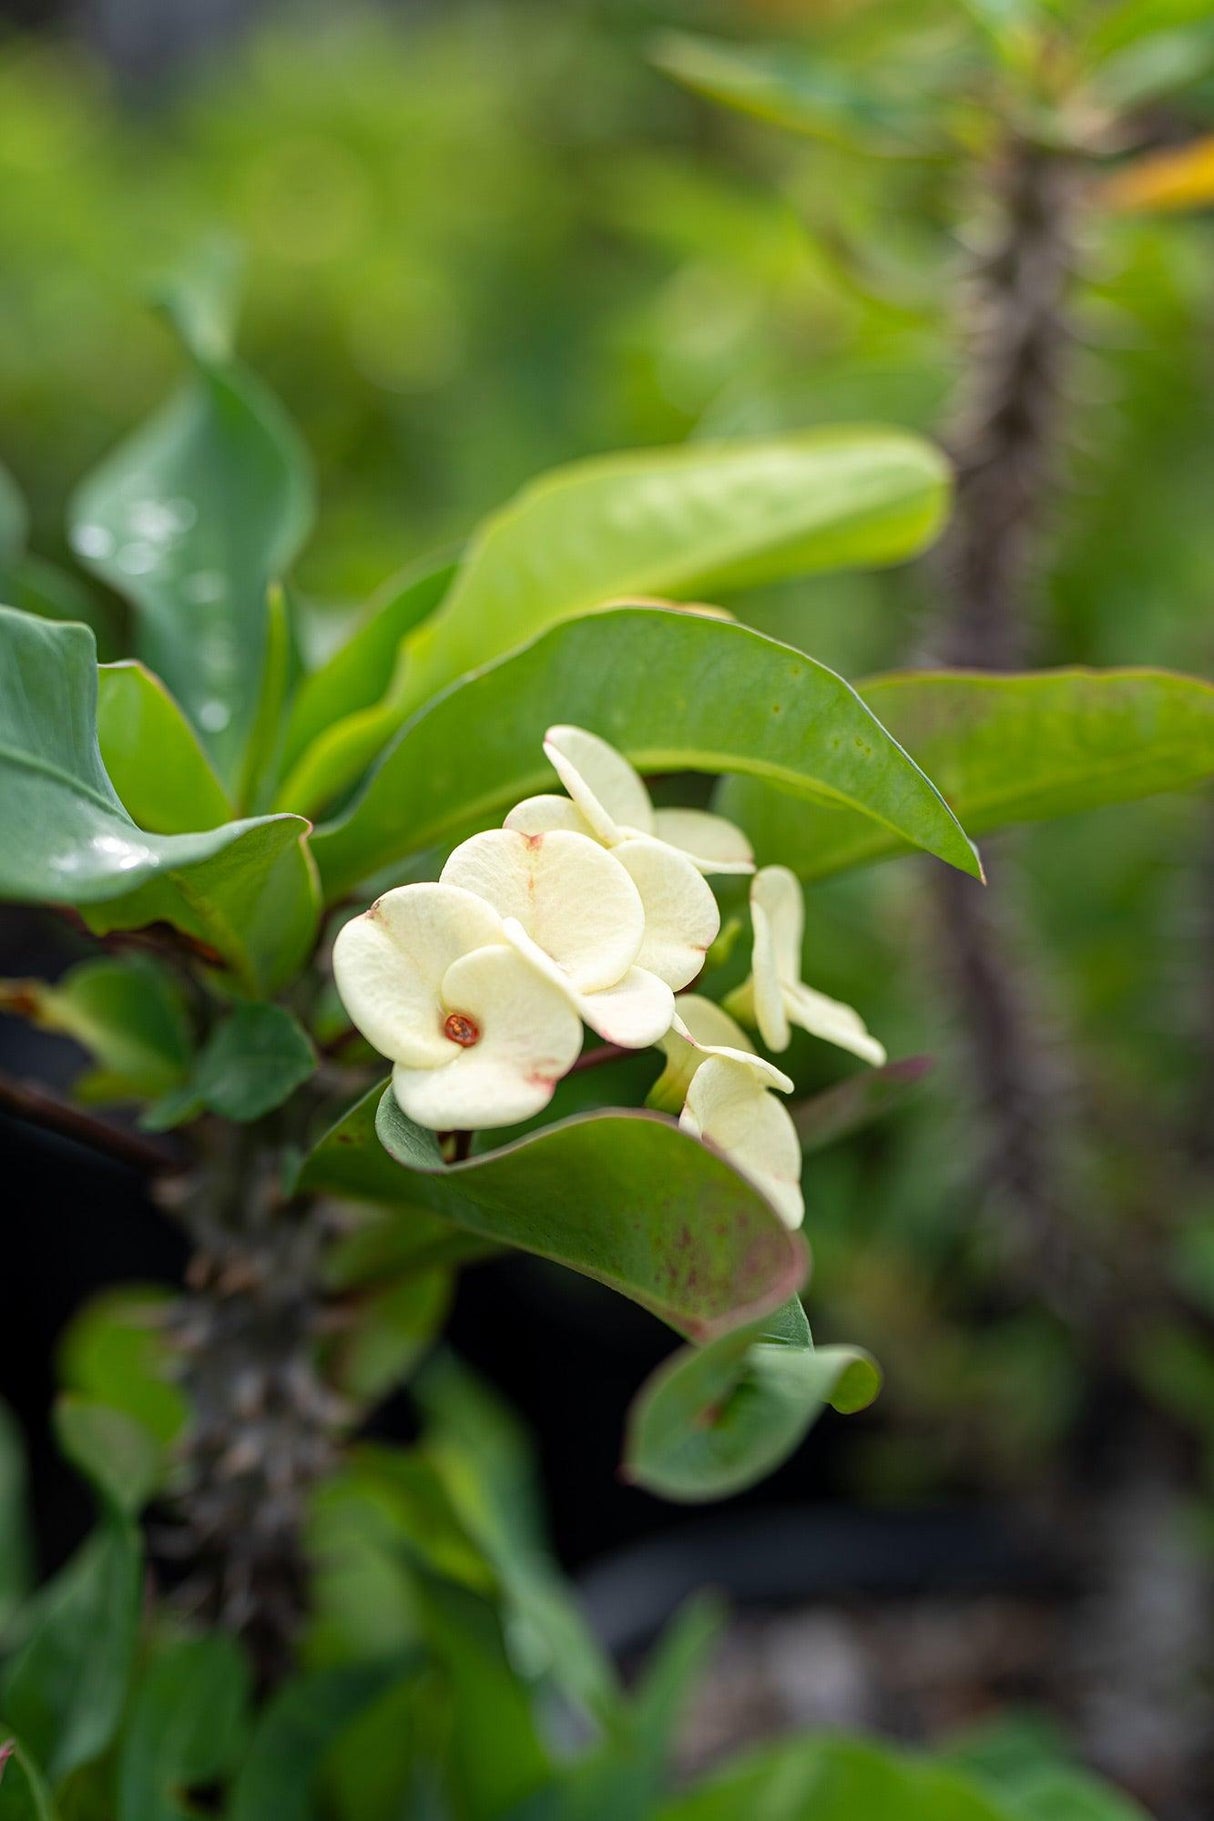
pixel 713 1420
pixel 624 1197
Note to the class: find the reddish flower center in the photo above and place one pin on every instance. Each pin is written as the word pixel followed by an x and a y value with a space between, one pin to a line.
pixel 462 1030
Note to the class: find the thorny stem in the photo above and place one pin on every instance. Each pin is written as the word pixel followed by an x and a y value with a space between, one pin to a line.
pixel 264 1425
pixel 1004 446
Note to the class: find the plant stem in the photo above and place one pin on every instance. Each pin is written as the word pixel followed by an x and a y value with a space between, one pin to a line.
pixel 39 1108
pixel 264 1424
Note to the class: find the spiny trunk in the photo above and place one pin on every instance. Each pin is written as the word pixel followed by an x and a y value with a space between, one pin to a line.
pixel 263 1423
pixel 1016 337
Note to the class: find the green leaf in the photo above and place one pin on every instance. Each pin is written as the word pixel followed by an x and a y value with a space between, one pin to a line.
pixel 679 522
pixel 23 1792
pixel 835 1780
pixel 119 1457
pixel 269 717
pixel 15 1553
pixel 392 1329
pixel 278 1776
pixel 483 1459
pixel 254 1059
pixel 40 588
pixel 674 691
pixel 115 1352
pixel 713 1420
pixel 626 1198
pixel 153 755
pixel 128 1014
pixel 65 1689
pixel 191 519
pixel 246 890
pixel 343 715
pixel 186 1727
pixel 1003 749
pixel 789 86
pixel 856 1102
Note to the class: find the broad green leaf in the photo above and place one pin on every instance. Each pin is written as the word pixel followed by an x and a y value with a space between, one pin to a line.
pixel 1023 1764
pixel 246 891
pixel 854 1103
pixel 191 519
pixel 153 756
pixel 15 1552
pixel 674 691
pixel 254 1059
pixel 277 1779
pixel 835 1780
pixel 186 1727
pixel 711 1421
pixel 128 1013
pixel 38 587
pixel 1003 749
pixel 790 86
pixel 482 1456
pixel 348 710
pixel 627 1773
pixel 678 522
pixel 269 716
pixel 23 1792
pixel 121 1459
pixel 115 1352
pixel 65 1689
pixel 494 1755
pixel 626 1198
pixel 390 1329
pixel 1111 29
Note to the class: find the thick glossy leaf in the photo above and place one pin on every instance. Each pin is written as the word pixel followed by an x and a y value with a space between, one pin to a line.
pixel 246 890
pixel 185 1729
pixel 853 1104
pixel 153 756
pixel 673 690
pixel 191 519
pixel 65 1690
pixel 15 1554
pixel 836 1780
pixel 346 712
pixel 678 522
pixel 789 86
pixel 622 1197
pixel 1003 749
pixel 713 1420
pixel 279 1773
pixel 121 1459
pixel 128 1014
pixel 254 1059
pixel 266 736
pixel 483 1459
pixel 23 1792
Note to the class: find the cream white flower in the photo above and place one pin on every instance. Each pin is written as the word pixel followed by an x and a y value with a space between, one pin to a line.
pixel 729 1103
pixel 573 910
pixel 479 1036
pixel 665 850
pixel 775 997
pixel 609 800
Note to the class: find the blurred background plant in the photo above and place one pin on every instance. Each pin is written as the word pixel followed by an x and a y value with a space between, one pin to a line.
pixel 482 239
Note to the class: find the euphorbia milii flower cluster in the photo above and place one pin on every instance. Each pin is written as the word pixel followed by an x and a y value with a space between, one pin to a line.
pixel 590 909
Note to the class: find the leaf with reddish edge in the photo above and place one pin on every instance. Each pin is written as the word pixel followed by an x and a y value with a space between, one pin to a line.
pixel 624 1197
